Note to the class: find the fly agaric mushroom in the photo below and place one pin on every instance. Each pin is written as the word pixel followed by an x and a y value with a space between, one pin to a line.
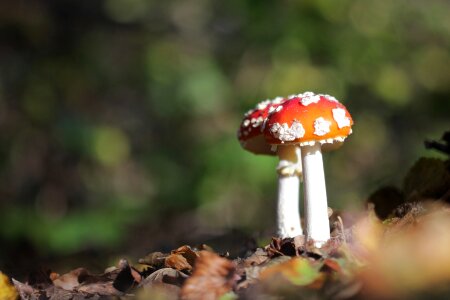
pixel 250 132
pixel 315 123
pixel 251 137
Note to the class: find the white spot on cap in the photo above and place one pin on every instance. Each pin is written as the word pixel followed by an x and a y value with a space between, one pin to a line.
pixel 321 126
pixel 306 94
pixel 285 133
pixel 262 105
pixel 248 113
pixel 329 98
pixel 279 108
pixel 277 100
pixel 260 120
pixel 341 119
pixel 256 122
pixel 309 97
pixel 246 122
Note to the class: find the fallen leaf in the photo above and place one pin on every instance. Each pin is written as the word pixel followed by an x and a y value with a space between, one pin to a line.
pixel 53 276
pixel 55 293
pixel 186 251
pixel 213 277
pixel 154 259
pixel 25 291
pixel 127 278
pixel 165 281
pixel 7 290
pixel 204 247
pixel 165 275
pixel 252 273
pixel 279 246
pixel 299 243
pixel 299 271
pixel 178 262
pixel 100 288
pixel 71 280
pixel 256 258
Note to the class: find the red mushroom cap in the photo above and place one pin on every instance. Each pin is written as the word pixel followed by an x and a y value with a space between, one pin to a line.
pixel 250 133
pixel 308 118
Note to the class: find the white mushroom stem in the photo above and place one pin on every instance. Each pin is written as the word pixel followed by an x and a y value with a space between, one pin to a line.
pixel 289 173
pixel 315 195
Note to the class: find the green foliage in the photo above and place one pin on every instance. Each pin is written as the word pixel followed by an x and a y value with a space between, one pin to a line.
pixel 120 113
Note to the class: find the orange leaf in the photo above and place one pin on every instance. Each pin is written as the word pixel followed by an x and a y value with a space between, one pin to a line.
pixel 177 262
pixel 213 277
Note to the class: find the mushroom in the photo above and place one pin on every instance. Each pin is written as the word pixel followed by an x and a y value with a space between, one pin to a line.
pixel 251 137
pixel 315 123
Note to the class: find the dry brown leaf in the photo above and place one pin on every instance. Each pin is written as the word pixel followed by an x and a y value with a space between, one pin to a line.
pixel 190 255
pixel 100 288
pixel 178 262
pixel 204 247
pixel 136 275
pixel 25 290
pixel 213 276
pixel 257 258
pixel 154 259
pixel 165 275
pixel 127 278
pixel 72 279
pixel 166 281
pixel 53 276
pixel 252 272
pixel 55 293
pixel 279 246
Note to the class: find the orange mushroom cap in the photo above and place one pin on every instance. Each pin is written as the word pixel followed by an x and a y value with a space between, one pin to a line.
pixel 309 118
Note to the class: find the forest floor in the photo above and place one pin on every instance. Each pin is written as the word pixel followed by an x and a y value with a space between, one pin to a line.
pixel 399 248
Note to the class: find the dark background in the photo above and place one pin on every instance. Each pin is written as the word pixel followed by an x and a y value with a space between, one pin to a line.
pixel 118 118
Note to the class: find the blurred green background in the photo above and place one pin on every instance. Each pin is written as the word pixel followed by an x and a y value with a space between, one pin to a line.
pixel 118 118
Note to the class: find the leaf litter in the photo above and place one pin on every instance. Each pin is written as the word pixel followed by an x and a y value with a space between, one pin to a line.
pixel 403 252
pixel 382 259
